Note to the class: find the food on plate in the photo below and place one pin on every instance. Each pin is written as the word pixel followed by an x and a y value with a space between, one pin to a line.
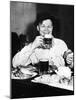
pixel 64 72
pixel 47 79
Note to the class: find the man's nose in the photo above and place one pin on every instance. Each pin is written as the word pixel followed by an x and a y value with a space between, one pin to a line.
pixel 46 28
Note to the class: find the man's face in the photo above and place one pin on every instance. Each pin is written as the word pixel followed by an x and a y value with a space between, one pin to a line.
pixel 45 27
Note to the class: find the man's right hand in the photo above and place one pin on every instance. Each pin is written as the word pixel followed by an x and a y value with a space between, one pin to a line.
pixel 37 42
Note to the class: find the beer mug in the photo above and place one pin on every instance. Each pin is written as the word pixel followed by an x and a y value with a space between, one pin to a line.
pixel 43 66
pixel 47 42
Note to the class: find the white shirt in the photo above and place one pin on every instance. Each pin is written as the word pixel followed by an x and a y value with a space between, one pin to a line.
pixel 54 55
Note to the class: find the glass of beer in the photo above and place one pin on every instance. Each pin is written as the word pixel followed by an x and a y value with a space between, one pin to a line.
pixel 47 42
pixel 43 67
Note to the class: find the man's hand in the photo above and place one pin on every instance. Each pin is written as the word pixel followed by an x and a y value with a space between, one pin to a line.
pixel 37 42
pixel 69 58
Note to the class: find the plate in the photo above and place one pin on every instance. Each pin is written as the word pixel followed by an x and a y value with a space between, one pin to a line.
pixel 24 73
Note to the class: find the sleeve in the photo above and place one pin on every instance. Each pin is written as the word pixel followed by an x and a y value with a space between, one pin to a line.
pixel 34 59
pixel 63 47
pixel 23 56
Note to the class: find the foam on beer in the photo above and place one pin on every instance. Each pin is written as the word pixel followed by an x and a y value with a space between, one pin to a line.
pixel 47 36
pixel 43 60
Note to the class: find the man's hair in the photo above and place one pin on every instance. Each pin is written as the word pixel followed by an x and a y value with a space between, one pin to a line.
pixel 44 16
pixel 32 29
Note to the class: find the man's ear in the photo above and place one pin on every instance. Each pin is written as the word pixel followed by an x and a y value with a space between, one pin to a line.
pixel 37 28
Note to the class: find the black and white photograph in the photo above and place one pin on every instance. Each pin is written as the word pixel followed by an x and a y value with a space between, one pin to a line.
pixel 42 49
